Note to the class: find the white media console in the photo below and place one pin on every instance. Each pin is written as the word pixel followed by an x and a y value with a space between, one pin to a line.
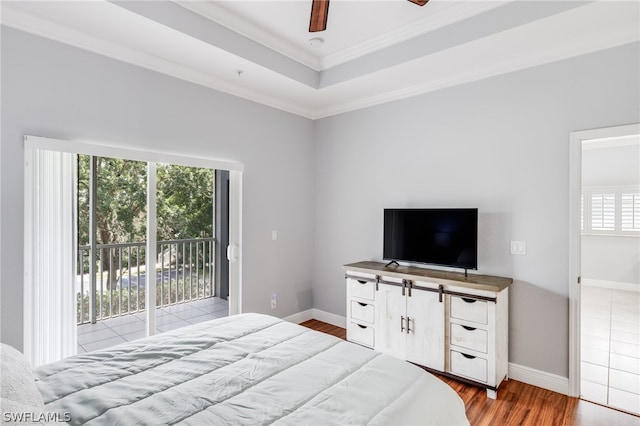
pixel 448 322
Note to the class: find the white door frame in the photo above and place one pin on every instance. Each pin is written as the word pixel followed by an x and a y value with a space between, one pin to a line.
pixel 575 189
pixel 235 190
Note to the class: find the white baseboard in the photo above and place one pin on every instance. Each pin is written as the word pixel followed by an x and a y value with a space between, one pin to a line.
pixel 538 378
pixel 517 372
pixel 328 317
pixel 614 285
pixel 300 316
pixel 320 315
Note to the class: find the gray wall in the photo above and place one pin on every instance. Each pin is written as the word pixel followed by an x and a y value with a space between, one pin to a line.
pixel 501 145
pixel 53 90
pixel 610 258
pixel 611 166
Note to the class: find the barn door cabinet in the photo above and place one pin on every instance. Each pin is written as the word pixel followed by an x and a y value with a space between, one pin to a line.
pixel 450 323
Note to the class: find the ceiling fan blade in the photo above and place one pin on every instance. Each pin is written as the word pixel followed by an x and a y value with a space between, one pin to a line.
pixel 419 2
pixel 319 13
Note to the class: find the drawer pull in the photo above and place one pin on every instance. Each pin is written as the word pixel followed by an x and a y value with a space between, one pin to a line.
pixel 362 282
pixel 468 356
pixel 466 327
pixel 467 300
pixel 401 324
pixel 362 304
pixel 361 326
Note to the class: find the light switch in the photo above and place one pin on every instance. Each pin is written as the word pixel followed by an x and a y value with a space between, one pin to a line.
pixel 519 247
pixel 274 235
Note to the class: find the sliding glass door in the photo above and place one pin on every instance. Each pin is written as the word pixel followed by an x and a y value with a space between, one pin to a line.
pixel 145 245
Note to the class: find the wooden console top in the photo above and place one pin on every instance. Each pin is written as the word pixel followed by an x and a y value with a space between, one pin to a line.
pixel 480 282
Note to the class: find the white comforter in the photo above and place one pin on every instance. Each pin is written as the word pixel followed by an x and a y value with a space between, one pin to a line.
pixel 245 369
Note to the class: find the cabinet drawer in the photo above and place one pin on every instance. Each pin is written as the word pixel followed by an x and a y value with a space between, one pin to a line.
pixel 469 366
pixel 362 289
pixel 363 311
pixel 469 337
pixel 469 309
pixel 359 333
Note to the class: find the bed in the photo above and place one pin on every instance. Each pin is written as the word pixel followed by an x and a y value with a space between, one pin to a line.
pixel 245 369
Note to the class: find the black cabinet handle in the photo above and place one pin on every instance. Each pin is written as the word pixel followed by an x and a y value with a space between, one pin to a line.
pixel 468 356
pixel 361 282
pixel 401 324
pixel 467 300
pixel 364 326
pixel 466 327
pixel 362 304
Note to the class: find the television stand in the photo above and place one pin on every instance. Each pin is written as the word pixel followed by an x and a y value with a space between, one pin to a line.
pixel 452 323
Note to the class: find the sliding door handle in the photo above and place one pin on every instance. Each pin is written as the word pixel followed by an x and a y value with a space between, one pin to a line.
pixel 232 252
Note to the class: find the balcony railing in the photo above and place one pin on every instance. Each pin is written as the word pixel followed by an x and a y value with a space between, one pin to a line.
pixel 183 271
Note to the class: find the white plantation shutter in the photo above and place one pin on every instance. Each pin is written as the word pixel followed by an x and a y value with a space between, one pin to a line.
pixel 603 211
pixel 610 211
pixel 582 212
pixel 630 212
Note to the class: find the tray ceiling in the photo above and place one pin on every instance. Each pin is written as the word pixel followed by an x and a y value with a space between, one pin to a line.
pixel 373 51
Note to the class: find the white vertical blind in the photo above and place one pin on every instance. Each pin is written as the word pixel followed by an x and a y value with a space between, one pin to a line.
pixel 49 258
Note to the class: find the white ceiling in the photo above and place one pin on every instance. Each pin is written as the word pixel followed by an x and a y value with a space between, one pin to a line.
pixel 374 51
pixel 355 27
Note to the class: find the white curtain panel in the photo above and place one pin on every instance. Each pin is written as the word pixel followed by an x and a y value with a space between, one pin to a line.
pixel 50 256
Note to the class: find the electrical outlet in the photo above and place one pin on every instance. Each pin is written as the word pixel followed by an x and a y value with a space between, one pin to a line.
pixel 274 301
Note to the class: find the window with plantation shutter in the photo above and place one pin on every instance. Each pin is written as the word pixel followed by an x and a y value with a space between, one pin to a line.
pixel 582 212
pixel 610 211
pixel 603 211
pixel 630 212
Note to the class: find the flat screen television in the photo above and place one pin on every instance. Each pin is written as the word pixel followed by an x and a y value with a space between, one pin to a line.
pixel 444 237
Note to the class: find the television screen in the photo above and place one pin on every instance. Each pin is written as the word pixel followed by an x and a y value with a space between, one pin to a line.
pixel 446 237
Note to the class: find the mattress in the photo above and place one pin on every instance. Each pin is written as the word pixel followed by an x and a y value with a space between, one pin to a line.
pixel 245 369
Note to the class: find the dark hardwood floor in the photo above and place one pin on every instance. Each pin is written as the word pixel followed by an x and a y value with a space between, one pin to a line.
pixel 326 328
pixel 519 403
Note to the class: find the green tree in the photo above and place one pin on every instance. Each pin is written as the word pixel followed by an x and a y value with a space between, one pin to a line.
pixel 184 205
pixel 184 202
pixel 120 207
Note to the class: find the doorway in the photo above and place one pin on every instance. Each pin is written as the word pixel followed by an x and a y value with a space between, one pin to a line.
pixel 605 264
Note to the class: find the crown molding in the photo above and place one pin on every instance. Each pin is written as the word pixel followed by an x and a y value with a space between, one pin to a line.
pixel 29 23
pixel 597 41
pixel 455 12
pixel 590 39
pixel 220 15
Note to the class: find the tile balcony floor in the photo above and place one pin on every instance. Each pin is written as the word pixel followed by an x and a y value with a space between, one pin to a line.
pixel 610 348
pixel 126 328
